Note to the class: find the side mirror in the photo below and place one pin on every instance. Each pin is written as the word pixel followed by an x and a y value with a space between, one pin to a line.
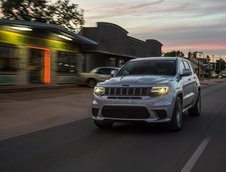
pixel 186 72
pixel 113 72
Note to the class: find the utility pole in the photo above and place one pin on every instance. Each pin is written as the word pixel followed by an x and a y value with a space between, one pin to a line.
pixel 220 64
pixel 215 63
pixel 198 67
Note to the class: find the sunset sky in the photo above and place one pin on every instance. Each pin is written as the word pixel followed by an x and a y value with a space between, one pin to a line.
pixel 194 25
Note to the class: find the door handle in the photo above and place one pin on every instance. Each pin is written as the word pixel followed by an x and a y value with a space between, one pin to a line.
pixel 189 79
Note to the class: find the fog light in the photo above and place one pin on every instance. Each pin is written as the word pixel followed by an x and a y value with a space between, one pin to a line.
pixel 161 114
pixel 95 112
pixel 95 102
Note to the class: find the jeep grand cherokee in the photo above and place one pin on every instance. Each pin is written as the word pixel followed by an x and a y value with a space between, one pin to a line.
pixel 152 90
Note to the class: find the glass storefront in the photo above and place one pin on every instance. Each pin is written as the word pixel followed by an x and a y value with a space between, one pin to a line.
pixel 29 59
pixel 36 65
pixel 8 58
pixel 67 62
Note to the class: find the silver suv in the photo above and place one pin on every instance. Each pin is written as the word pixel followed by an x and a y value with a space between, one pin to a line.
pixel 152 90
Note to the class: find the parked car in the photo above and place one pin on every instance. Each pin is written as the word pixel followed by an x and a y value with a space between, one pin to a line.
pixel 96 75
pixel 152 90
pixel 222 74
pixel 214 75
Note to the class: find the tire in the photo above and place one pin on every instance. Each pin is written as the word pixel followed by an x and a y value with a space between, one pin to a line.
pixel 91 82
pixel 196 110
pixel 176 121
pixel 103 124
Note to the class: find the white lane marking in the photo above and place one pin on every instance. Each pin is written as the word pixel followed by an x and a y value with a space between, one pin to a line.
pixel 194 158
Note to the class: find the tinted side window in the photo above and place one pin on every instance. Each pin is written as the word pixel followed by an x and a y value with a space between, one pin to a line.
pixel 187 66
pixel 108 71
pixel 104 71
pixel 190 66
pixel 182 67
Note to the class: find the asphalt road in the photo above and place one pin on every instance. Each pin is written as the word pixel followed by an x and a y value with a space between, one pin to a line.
pixel 26 112
pixel 80 146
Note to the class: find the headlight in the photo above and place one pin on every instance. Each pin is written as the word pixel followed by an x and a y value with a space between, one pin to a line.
pixel 160 90
pixel 99 91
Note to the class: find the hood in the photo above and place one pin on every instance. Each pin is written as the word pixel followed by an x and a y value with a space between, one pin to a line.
pixel 139 80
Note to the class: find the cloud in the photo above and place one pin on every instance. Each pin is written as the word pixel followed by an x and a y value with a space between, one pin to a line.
pixel 109 9
pixel 203 39
pixel 119 9
pixel 177 28
pixel 142 6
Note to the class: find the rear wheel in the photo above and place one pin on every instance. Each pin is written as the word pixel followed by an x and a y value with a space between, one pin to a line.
pixel 91 82
pixel 103 124
pixel 196 110
pixel 176 121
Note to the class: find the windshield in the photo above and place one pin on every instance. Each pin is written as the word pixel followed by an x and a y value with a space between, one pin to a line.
pixel 149 67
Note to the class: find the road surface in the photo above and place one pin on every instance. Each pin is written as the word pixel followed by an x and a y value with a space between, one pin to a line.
pixel 80 146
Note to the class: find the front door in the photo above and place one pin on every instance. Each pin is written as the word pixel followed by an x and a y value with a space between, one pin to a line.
pixel 36 66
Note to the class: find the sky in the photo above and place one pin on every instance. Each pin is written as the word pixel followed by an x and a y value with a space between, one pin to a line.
pixel 186 25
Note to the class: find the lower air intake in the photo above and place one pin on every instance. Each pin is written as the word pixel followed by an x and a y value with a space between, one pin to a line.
pixel 127 112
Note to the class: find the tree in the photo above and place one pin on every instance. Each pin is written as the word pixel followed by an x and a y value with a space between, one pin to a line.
pixel 208 58
pixel 208 68
pixel 66 15
pixel 62 12
pixel 174 54
pixel 28 10
pixel 220 65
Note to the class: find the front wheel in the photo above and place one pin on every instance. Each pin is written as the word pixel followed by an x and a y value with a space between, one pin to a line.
pixel 176 121
pixel 196 110
pixel 91 82
pixel 103 124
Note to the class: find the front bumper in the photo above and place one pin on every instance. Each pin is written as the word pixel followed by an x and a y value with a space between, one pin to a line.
pixel 147 109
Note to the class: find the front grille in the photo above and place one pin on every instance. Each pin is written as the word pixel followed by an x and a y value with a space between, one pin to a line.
pixel 121 91
pixel 129 112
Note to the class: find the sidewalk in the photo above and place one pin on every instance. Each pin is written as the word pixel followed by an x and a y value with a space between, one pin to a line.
pixel 33 87
pixel 207 82
pixel 25 112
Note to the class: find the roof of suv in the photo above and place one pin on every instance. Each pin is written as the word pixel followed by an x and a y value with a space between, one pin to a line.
pixel 155 58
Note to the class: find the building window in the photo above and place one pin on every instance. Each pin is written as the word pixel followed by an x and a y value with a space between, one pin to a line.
pixel 8 59
pixel 67 62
